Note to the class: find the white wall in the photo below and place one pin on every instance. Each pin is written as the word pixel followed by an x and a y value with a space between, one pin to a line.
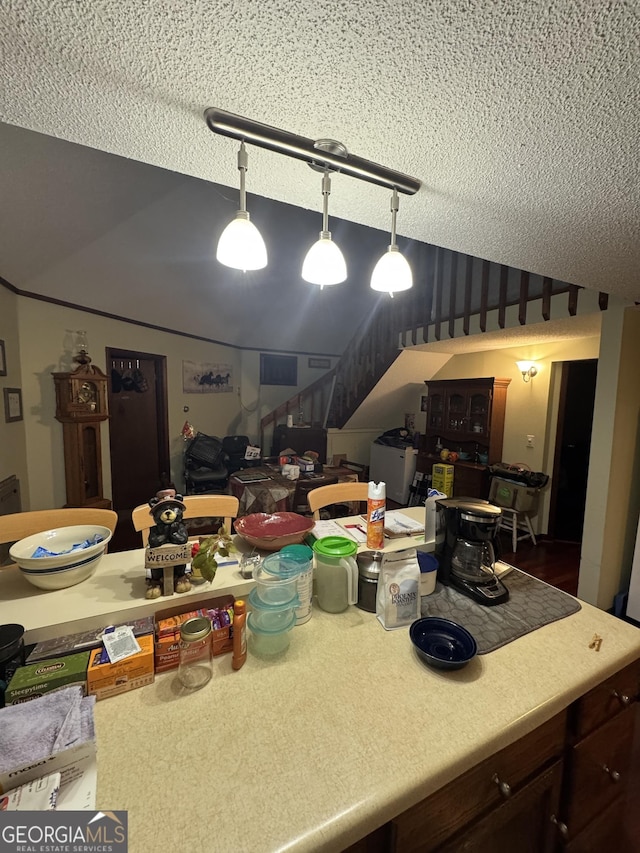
pixel 613 491
pixel 45 332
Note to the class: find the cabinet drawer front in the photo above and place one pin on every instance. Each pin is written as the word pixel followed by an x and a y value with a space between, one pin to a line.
pixel 522 823
pixel 593 766
pixel 429 823
pixel 605 830
pixel 606 700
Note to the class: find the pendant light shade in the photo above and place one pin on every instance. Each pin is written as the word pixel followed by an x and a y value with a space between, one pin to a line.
pixel 392 273
pixel 324 262
pixel 241 245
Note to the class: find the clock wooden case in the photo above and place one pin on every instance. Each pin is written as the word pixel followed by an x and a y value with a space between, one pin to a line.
pixel 81 405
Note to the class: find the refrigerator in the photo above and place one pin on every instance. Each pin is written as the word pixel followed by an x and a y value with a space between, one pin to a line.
pixel 395 466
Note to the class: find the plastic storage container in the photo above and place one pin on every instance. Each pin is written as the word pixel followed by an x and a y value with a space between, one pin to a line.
pixel 268 643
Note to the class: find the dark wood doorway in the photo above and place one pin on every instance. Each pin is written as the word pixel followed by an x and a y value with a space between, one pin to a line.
pixel 138 434
pixel 573 444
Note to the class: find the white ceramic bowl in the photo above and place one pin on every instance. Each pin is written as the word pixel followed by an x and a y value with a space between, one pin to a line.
pixel 64 569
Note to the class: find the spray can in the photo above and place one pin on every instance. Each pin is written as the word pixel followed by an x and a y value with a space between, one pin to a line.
pixel 376 502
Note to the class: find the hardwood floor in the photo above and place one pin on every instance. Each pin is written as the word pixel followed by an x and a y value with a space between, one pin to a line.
pixel 556 563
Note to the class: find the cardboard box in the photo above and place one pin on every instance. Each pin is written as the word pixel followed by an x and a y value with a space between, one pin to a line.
pixel 109 679
pixel 84 641
pixel 35 679
pixel 168 621
pixel 505 493
pixel 442 478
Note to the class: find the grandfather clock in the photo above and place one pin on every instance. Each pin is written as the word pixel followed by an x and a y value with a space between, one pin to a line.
pixel 81 405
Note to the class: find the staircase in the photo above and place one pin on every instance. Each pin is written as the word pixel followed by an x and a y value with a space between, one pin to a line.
pixel 450 290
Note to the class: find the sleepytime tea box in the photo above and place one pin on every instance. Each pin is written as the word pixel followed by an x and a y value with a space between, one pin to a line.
pixel 33 680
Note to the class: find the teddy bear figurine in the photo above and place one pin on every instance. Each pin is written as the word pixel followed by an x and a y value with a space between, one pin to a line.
pixel 167 511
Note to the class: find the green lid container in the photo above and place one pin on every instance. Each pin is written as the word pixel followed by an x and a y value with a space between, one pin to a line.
pixel 335 546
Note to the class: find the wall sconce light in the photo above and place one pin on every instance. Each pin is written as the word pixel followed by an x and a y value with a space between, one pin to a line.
pixel 528 370
pixel 324 263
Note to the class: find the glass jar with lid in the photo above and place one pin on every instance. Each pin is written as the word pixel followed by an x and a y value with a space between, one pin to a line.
pixel 196 653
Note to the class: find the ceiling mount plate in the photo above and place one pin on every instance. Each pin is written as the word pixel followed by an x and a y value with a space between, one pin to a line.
pixel 329 146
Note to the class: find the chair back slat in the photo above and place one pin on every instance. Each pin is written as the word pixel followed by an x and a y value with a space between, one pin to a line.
pixel 197 506
pixel 336 493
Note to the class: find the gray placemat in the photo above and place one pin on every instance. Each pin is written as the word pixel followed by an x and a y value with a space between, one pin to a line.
pixel 531 605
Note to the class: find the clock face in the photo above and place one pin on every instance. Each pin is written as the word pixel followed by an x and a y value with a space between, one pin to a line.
pixel 87 393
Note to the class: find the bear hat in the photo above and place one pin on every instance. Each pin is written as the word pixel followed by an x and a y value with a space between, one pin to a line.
pixel 165 498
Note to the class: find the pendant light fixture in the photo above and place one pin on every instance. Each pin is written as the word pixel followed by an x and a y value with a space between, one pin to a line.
pixel 392 273
pixel 324 262
pixel 241 245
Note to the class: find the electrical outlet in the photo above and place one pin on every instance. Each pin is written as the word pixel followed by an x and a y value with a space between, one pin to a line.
pixel 531 439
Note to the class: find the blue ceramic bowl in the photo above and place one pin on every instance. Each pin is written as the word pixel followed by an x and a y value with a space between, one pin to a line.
pixel 441 643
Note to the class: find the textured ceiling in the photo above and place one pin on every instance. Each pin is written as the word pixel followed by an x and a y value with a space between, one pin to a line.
pixel 520 118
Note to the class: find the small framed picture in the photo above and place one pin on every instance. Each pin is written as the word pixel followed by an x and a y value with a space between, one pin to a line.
pixel 3 359
pixel 423 404
pixel 12 404
pixel 324 363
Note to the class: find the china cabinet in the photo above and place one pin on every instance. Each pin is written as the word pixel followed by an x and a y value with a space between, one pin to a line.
pixel 465 416
pixel 81 406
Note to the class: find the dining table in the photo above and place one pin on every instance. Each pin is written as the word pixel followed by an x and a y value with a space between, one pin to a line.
pixel 265 489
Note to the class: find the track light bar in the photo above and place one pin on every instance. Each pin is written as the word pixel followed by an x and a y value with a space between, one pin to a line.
pixel 316 153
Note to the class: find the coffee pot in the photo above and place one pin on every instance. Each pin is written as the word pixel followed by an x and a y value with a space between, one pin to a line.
pixel 335 573
pixel 467 548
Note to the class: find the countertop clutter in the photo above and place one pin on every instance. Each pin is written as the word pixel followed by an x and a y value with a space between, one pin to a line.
pixel 349 738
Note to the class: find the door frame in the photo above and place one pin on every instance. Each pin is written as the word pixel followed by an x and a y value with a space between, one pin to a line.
pixel 161 400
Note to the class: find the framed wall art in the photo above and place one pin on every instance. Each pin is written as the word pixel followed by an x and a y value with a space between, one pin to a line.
pixel 3 359
pixel 200 377
pixel 12 404
pixel 324 363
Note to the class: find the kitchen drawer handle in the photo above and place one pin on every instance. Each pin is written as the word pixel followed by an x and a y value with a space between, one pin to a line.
pixel 613 774
pixel 622 697
pixel 562 828
pixel 503 787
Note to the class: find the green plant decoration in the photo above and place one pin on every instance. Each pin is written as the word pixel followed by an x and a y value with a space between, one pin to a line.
pixel 203 563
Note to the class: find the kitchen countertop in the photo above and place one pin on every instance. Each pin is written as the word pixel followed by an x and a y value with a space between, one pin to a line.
pixel 313 750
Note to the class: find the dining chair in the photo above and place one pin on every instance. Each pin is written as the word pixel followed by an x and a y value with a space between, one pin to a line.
pixel 336 493
pixel 17 525
pixel 197 506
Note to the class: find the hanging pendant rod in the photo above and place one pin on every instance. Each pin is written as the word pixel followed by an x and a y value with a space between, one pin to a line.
pixel 318 154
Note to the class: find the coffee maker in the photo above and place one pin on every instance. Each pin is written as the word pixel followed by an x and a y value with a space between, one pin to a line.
pixel 466 548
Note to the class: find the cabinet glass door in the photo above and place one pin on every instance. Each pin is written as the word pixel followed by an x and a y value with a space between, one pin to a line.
pixel 478 414
pixel 436 411
pixel 456 412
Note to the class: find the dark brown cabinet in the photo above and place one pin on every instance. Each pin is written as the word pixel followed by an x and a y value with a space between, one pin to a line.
pixel 560 788
pixel 465 416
